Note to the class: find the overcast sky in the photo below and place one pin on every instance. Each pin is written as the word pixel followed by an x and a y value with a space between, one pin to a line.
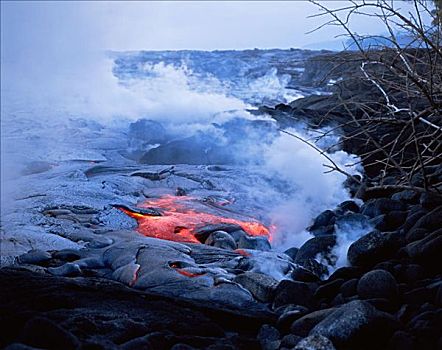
pixel 165 25
pixel 61 39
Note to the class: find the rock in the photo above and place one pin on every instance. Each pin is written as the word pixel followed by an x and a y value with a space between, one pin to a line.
pixel 67 255
pixel 407 196
pixel 383 304
pixel 261 286
pixel 377 284
pixel 349 288
pixel 44 333
pixel 36 167
pixel 329 290
pixel 348 206
pixel 68 269
pixel 146 130
pixel 391 221
pixel 372 248
pixel 356 323
pixel 352 185
pixel 19 346
pixel 203 233
pixel 430 200
pixel 413 217
pixel 401 341
pixel 291 314
pixel 221 239
pixel 324 219
pixel 314 246
pixel 427 250
pixel 415 234
pixel 350 220
pixel 292 292
pixel 303 275
pixel 289 341
pixel 419 296
pixel 291 252
pixel 269 337
pixel 194 150
pixel 304 325
pixel 323 230
pixel 256 243
pixel 431 221
pixel 34 257
pixel 339 300
pixel 379 206
pixel 182 347
pixel 346 272
pixel 154 340
pixel 315 342
pixel 426 327
pixel 412 273
pixel 438 297
pixel 378 222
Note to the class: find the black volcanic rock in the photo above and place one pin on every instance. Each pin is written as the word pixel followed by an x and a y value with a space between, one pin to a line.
pixel 292 292
pixel 191 150
pixel 314 246
pixel 34 256
pixel 427 250
pixel 372 248
pixel 324 219
pixel 305 324
pixel 379 206
pixel 303 275
pixel 148 131
pixel 377 284
pixel 61 312
pixel 431 221
pixel 348 206
pixel 316 342
pixel 269 337
pixel 221 239
pixel 354 324
pixel 329 289
pixel 44 333
pixel 261 286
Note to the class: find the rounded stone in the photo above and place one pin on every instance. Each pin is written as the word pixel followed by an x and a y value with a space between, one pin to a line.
pixel 377 284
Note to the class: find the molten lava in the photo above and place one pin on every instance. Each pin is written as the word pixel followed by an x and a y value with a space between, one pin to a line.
pixel 179 221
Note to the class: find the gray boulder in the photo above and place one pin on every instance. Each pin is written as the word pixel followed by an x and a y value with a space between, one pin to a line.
pixel 34 257
pixel 379 206
pixel 315 342
pixel 354 323
pixel 377 284
pixel 308 252
pixel 304 325
pixel 257 243
pixel 431 221
pixel 221 239
pixel 372 248
pixel 292 292
pixel 261 286
pixel 269 337
pixel 427 250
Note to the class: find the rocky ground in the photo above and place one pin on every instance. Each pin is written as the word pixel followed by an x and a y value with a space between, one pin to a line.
pixel 101 285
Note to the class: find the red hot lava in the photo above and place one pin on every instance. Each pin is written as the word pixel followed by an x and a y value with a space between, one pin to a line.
pixel 179 222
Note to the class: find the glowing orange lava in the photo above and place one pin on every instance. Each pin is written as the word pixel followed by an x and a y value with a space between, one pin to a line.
pixel 179 222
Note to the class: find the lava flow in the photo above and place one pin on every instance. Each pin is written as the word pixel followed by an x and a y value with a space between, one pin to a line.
pixel 178 222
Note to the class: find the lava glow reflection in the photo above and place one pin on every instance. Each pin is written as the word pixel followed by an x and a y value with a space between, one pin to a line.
pixel 180 220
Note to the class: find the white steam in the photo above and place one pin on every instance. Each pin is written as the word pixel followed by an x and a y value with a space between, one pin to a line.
pixel 309 190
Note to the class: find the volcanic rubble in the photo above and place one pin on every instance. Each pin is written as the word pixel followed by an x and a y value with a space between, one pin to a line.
pixel 92 281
